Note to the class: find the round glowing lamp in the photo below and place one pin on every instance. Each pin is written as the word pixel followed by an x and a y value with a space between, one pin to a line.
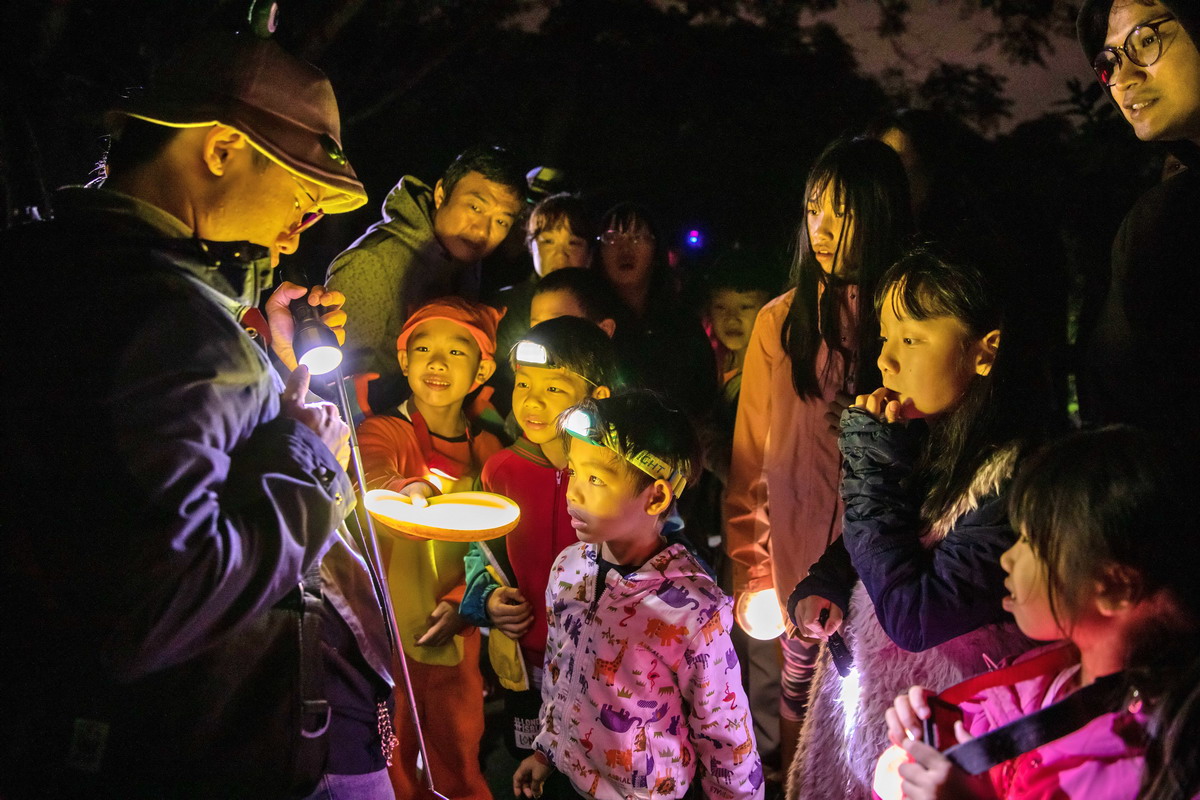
pixel 887 774
pixel 758 614
pixel 454 517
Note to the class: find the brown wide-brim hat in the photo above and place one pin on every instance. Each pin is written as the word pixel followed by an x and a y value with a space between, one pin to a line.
pixel 284 105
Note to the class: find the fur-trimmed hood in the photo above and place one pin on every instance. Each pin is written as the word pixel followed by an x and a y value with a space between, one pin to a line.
pixel 994 473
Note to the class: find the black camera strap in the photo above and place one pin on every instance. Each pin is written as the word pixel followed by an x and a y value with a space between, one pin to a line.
pixel 1030 732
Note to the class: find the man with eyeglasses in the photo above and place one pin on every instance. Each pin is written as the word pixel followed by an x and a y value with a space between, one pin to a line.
pixel 1141 361
pixel 182 615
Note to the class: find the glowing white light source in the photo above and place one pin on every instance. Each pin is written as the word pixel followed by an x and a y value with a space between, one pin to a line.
pixel 579 423
pixel 887 774
pixel 849 694
pixel 322 359
pixel 528 352
pixel 759 615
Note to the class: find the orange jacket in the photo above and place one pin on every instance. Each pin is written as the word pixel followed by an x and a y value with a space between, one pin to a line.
pixel 781 506
pixel 420 573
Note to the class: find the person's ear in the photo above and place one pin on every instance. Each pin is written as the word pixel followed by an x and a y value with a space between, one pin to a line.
pixel 221 143
pixel 609 326
pixel 658 497
pixel 439 195
pixel 487 366
pixel 1117 589
pixel 402 357
pixel 601 393
pixel 985 358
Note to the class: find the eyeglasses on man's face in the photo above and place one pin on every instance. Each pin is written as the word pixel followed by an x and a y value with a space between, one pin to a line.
pixel 310 217
pixel 620 237
pixel 1143 46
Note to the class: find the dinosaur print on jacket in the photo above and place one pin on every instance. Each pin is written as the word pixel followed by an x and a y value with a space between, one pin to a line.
pixel 640 677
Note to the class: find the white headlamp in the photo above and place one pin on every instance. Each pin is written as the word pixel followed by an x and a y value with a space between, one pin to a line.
pixel 581 425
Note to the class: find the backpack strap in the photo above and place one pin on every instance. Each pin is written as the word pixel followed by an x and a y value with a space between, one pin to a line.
pixel 1031 732
pixel 1050 662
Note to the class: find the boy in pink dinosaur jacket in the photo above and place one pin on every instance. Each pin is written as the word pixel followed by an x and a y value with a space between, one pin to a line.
pixel 642 691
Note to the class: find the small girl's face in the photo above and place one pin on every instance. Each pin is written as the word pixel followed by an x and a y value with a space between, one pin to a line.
pixel 830 231
pixel 1028 592
pixel 557 248
pixel 929 363
pixel 733 313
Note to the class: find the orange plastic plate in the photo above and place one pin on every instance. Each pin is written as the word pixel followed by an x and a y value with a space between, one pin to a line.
pixel 455 517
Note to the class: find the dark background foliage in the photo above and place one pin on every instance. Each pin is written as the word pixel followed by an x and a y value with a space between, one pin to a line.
pixel 710 111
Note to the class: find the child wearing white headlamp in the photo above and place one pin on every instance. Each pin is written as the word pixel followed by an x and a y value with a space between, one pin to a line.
pixel 559 363
pixel 641 684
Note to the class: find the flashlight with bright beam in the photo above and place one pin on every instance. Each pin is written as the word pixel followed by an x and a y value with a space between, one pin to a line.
pixel 315 345
pixel 532 354
pixel 759 615
pixel 888 783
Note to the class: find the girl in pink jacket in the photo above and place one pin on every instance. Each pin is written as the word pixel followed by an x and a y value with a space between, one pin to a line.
pixel 1106 564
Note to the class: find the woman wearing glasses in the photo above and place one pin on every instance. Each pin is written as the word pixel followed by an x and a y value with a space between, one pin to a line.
pixel 661 343
pixel 1145 55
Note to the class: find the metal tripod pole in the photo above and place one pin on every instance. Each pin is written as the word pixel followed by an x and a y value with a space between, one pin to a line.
pixel 370 548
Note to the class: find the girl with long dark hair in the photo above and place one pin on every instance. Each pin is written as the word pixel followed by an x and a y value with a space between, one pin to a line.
pixel 1105 568
pixel 810 344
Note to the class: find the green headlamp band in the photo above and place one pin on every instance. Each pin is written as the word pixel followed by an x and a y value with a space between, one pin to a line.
pixel 581 425
pixel 531 354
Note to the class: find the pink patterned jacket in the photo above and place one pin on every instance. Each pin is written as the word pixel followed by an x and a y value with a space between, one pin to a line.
pixel 642 689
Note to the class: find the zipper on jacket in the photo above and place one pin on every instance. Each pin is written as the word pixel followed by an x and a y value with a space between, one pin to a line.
pixel 558 475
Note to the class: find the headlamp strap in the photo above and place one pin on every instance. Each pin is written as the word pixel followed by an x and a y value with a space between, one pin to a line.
pixel 581 427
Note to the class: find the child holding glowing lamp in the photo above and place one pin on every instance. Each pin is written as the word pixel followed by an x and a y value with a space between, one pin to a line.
pixel 559 363
pixel 642 693
pixel 809 347
pixel 422 447
pixel 1105 565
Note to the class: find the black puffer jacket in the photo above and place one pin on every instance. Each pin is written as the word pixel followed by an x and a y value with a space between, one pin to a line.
pixel 929 583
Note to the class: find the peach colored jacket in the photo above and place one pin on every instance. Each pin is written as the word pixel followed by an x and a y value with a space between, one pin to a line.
pixel 781 506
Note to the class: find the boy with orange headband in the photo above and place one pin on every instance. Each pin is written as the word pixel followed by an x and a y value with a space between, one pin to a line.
pixel 423 446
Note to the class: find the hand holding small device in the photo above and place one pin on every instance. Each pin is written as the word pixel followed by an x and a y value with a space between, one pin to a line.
pixel 919 714
pixel 940 728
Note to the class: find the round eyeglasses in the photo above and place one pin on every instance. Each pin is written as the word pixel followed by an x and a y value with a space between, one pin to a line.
pixel 617 237
pixel 308 218
pixel 1143 46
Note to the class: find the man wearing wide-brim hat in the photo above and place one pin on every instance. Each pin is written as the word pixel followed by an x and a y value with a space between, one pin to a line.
pixel 183 617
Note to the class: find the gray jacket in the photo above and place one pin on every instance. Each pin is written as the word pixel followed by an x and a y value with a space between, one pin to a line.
pixel 394 268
